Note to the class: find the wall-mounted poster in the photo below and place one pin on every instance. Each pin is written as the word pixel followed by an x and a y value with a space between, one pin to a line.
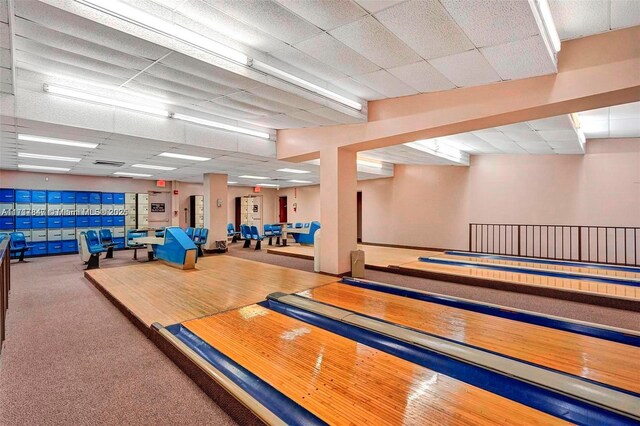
pixel 157 208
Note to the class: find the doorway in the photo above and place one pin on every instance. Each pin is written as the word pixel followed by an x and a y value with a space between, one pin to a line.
pixel 238 213
pixel 159 209
pixel 359 214
pixel 282 208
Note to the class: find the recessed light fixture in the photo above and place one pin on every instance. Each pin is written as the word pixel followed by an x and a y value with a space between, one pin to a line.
pixel 440 149
pixel 293 171
pixel 76 94
pixel 183 156
pixel 222 126
pixel 300 181
pixel 150 166
pixel 132 174
pixel 231 183
pixel 370 163
pixel 48 157
pixel 42 139
pixel 253 177
pixel 269 185
pixel 33 167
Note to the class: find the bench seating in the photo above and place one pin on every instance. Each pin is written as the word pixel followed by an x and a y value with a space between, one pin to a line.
pixel 90 249
pixel 106 239
pixel 18 245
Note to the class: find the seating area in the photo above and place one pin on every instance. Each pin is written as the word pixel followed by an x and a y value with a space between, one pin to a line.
pixel 199 236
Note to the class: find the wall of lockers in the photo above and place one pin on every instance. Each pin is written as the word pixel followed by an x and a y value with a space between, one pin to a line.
pixel 52 220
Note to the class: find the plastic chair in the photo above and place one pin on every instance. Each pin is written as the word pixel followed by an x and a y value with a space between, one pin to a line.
pixel 255 235
pixel 277 232
pixel 18 244
pixel 189 232
pixel 231 232
pixel 202 240
pixel 106 239
pixel 196 234
pixel 298 225
pixel 245 233
pixel 94 248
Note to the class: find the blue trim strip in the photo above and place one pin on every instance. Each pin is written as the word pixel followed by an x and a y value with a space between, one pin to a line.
pixel 278 403
pixel 583 329
pixel 541 272
pixel 545 261
pixel 462 343
pixel 556 404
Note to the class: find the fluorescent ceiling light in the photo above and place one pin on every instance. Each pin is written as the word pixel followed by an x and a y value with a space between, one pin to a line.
pixel 300 181
pixel 102 100
pixel 42 139
pixel 150 166
pixel 183 156
pixel 269 185
pixel 293 171
pixel 143 19
pixel 132 174
pixel 370 163
pixel 440 149
pixel 546 21
pixel 253 177
pixel 231 183
pixel 307 85
pixel 48 157
pixel 222 126
pixel 53 169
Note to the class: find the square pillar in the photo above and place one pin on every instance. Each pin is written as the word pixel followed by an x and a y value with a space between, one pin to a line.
pixel 338 209
pixel 215 208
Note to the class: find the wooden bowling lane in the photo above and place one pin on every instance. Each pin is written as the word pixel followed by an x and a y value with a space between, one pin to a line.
pixel 552 267
pixel 611 363
pixel 344 382
pixel 589 287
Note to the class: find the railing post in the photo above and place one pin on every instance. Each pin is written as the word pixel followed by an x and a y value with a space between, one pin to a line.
pixel 519 237
pixel 579 243
pixel 470 226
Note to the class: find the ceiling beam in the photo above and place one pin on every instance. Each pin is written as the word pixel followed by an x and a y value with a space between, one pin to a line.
pixel 593 72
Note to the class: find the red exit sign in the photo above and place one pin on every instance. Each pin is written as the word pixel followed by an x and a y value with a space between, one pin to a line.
pixel 161 183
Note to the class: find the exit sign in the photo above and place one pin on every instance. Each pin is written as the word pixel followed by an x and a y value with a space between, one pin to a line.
pixel 161 183
pixel 256 189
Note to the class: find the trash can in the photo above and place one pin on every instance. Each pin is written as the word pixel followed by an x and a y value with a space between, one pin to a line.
pixel 357 263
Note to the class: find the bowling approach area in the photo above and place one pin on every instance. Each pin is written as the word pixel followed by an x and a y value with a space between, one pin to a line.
pixel 281 346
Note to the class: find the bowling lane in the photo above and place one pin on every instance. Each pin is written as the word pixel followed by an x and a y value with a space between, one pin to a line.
pixel 610 363
pixel 344 382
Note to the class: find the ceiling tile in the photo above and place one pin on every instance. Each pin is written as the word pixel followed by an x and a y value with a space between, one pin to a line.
pixel 250 98
pixel 358 89
pixel 625 13
pixel 335 54
pixel 189 80
pixel 625 128
pixel 578 18
pixel 307 63
pixel 631 110
pixel 426 27
pixel 488 23
pixel 520 59
pixel 466 69
pixel 373 41
pixel 557 135
pixel 385 83
pixel 491 136
pixel 326 14
pixel 207 71
pixel 374 6
pixel 523 135
pixel 313 118
pixel 268 16
pixel 423 77
pixel 560 122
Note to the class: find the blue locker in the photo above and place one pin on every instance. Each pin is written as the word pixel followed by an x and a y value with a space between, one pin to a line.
pixel 95 198
pixel 107 221
pixel 118 198
pixel 68 221
pixel 7 223
pixel 23 222
pixel 118 221
pixel 38 249
pixel 82 197
pixel 54 222
pixel 82 221
pixel 94 221
pixel 68 197
pixel 7 195
pixel 69 246
pixel 23 196
pixel 107 198
pixel 54 247
pixel 38 197
pixel 119 242
pixel 54 197
pixel 38 222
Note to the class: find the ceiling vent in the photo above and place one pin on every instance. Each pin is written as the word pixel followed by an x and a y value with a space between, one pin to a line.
pixel 108 163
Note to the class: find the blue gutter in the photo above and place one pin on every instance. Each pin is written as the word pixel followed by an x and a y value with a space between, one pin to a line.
pixel 545 400
pixel 541 272
pixel 546 261
pixel 529 318
pixel 279 404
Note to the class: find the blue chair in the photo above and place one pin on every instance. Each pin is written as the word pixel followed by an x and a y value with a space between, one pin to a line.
pixel 202 240
pixel 196 234
pixel 106 239
pixel 306 225
pixel 277 232
pixel 268 233
pixel 94 248
pixel 245 233
pixel 231 232
pixel 160 232
pixel 308 238
pixel 189 232
pixel 255 235
pixel 298 225
pixel 131 235
pixel 18 245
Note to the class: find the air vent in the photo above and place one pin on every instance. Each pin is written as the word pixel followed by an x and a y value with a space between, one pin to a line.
pixel 108 163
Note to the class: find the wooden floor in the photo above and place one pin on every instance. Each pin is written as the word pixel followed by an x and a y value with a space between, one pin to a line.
pixel 606 362
pixel 155 292
pixel 344 382
pixel 552 267
pixel 588 287
pixel 373 255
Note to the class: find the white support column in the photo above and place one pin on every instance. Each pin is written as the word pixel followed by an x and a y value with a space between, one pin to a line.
pixel 215 208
